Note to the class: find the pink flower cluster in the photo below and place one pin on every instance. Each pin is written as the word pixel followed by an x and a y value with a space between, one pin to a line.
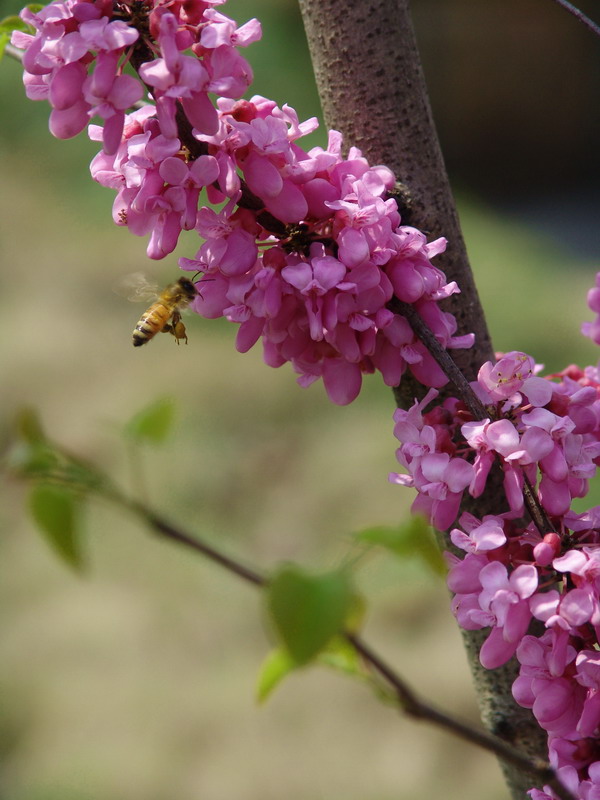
pixel 318 292
pixel 77 54
pixel 305 249
pixel 542 437
pixel 311 269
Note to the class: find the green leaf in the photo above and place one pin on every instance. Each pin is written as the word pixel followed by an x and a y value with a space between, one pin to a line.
pixel 342 656
pixel 307 610
pixel 29 426
pixel 273 670
pixel 54 509
pixel 35 8
pixel 428 549
pixel 32 461
pixel 13 23
pixel 153 423
pixel 32 456
pixel 414 537
pixel 4 40
pixel 357 611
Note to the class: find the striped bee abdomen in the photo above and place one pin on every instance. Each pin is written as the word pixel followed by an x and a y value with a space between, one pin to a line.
pixel 152 322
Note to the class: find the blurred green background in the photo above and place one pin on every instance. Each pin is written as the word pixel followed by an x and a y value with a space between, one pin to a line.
pixel 136 682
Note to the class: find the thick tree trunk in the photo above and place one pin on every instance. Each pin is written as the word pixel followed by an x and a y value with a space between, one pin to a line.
pixel 372 89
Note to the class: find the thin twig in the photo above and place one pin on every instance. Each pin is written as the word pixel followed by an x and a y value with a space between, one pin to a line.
pixel 578 14
pixel 408 700
pixel 419 709
pixel 169 531
pixel 443 358
pixel 536 511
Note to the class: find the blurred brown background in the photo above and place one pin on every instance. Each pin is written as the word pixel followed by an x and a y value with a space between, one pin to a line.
pixel 136 681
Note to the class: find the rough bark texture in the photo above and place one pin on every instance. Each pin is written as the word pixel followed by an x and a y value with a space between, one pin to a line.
pixel 372 89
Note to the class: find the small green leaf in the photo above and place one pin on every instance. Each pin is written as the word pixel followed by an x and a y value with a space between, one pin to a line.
pixel 32 455
pixel 35 8
pixel 32 461
pixel 414 537
pixel 273 670
pixel 428 549
pixel 153 423
pixel 357 611
pixel 391 537
pixel 54 509
pixel 342 656
pixel 4 40
pixel 13 23
pixel 307 610
pixel 29 426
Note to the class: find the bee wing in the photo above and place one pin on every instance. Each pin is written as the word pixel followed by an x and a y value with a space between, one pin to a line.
pixel 137 288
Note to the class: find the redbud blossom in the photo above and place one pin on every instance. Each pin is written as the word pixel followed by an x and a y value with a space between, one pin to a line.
pixel 306 251
pixel 545 431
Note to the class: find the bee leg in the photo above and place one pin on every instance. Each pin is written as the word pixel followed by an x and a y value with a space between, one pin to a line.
pixel 176 328
pixel 179 332
pixel 168 328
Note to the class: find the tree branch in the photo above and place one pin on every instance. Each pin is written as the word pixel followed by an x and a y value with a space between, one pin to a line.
pixel 372 89
pixel 461 385
pixel 578 14
pixel 419 709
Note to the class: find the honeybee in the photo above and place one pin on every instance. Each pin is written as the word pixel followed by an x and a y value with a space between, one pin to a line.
pixel 164 315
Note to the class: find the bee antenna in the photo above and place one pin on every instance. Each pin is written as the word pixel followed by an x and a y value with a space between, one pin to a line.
pixel 202 280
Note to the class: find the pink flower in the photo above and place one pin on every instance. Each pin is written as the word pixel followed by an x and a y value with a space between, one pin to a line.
pixel 463 576
pixel 109 100
pixel 588 675
pixel 570 779
pixel 440 481
pixel 482 536
pixel 503 379
pixel 546 550
pixel 592 329
pixel 506 597
pixel 556 701
pixel 342 380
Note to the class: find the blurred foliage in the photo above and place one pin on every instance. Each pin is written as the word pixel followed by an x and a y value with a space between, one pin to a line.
pixel 411 539
pixel 307 610
pixel 153 423
pixel 137 683
pixel 54 508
